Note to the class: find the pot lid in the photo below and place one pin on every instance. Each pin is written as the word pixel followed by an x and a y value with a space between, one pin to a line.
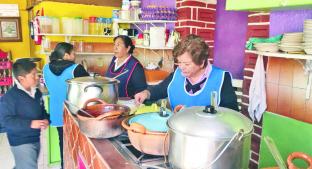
pixel 200 121
pixel 93 79
pixel 152 121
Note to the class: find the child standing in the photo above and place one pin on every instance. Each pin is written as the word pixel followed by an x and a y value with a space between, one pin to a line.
pixel 23 115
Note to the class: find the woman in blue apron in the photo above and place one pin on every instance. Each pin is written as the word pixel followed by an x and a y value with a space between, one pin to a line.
pixel 129 70
pixel 194 79
pixel 61 68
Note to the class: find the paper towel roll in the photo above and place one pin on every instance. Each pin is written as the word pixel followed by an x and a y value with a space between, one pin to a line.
pixel 157 37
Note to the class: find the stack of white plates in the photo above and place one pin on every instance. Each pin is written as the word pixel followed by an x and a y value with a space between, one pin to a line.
pixel 307 36
pixel 266 47
pixel 291 42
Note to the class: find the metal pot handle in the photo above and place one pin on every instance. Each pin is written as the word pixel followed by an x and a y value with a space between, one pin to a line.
pixel 296 155
pixel 93 85
pixel 239 135
pixel 85 105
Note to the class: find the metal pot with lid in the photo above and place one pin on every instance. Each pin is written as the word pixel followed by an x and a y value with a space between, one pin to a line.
pixel 202 137
pixel 82 89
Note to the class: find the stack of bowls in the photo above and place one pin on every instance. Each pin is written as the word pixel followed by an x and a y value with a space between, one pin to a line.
pixel 266 47
pixel 291 42
pixel 307 36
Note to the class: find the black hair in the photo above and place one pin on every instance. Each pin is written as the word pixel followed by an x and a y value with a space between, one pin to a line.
pixel 127 42
pixel 23 67
pixel 60 50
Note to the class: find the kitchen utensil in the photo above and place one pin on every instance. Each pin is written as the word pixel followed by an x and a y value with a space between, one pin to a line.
pixel 106 122
pixel 121 74
pixel 84 88
pixel 202 137
pixel 298 155
pixel 274 151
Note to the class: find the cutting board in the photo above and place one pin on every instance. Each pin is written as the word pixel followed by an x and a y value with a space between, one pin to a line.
pixel 289 135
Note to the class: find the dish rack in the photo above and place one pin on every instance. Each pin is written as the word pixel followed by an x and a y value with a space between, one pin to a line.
pixel 6 80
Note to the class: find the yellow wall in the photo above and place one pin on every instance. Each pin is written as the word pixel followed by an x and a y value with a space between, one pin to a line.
pixel 19 49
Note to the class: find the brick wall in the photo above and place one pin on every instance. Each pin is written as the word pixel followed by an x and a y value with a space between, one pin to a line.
pixel 258 26
pixel 197 17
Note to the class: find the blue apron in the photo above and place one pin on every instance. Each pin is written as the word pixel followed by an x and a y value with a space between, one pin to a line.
pixel 125 78
pixel 177 93
pixel 57 88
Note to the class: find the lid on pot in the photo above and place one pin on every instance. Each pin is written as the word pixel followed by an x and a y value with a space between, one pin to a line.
pixel 201 121
pixel 152 121
pixel 93 79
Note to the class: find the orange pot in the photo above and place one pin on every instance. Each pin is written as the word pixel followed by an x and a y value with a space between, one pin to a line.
pixel 148 142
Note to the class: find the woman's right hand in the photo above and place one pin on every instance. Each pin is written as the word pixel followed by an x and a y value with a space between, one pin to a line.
pixel 142 96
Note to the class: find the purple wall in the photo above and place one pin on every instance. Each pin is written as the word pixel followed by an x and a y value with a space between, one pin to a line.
pixel 230 39
pixel 288 21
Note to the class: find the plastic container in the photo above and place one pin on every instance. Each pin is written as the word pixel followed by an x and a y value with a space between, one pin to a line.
pixel 45 24
pixel 55 25
pixel 67 25
pixel 78 25
pixel 115 14
pixel 85 26
pixel 92 25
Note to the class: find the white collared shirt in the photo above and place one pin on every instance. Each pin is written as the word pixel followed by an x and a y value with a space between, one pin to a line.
pixel 120 64
pixel 32 91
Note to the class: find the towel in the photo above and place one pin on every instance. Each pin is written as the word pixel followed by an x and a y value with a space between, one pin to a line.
pixel 257 94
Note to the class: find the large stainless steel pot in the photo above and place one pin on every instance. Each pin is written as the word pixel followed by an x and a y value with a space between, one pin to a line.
pixel 201 138
pixel 84 88
pixel 105 121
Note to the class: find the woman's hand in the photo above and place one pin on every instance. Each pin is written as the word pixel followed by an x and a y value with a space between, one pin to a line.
pixel 142 96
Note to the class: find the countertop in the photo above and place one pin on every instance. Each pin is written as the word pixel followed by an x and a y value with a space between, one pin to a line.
pixel 104 148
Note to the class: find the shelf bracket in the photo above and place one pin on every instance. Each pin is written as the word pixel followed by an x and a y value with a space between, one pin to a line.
pixel 138 27
pixel 67 39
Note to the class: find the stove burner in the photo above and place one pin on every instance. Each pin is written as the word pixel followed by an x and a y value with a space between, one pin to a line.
pixel 145 161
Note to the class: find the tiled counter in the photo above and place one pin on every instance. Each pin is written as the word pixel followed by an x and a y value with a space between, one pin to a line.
pixel 93 153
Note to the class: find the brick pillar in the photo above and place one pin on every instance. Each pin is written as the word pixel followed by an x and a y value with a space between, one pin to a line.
pixel 258 26
pixel 197 17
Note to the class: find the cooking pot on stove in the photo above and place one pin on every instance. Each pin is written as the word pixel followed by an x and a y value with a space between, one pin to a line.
pixel 101 120
pixel 203 138
pixel 148 132
pixel 82 89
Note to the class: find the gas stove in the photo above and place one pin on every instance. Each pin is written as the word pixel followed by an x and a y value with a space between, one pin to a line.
pixel 144 161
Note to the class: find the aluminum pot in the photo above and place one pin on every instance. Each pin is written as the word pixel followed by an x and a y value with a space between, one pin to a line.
pixel 82 89
pixel 101 120
pixel 202 138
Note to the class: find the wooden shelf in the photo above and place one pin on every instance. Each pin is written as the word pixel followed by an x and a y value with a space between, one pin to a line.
pixel 147 47
pixel 281 55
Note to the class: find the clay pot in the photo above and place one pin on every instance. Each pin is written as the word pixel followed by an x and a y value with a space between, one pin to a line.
pixel 148 142
pixel 298 155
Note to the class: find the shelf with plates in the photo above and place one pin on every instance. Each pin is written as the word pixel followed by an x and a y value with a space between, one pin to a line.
pixel 281 55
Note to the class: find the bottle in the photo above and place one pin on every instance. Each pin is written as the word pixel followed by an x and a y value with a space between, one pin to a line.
pixel 146 36
pixel 115 28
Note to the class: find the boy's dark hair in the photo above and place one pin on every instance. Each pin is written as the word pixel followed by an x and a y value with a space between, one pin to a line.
pixel 127 42
pixel 22 67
